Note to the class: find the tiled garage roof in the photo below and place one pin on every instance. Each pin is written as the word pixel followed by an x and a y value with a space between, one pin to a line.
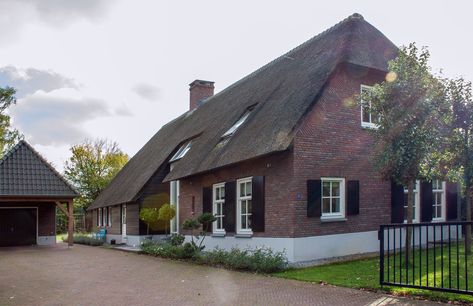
pixel 23 172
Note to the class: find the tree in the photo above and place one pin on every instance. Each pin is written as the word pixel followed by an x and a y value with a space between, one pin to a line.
pixel 458 156
pixel 149 215
pixel 408 107
pixel 166 213
pixel 8 135
pixel 92 166
pixel 205 221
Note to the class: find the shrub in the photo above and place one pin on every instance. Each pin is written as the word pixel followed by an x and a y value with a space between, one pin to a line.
pixel 261 260
pixel 84 239
pixel 177 239
pixel 167 250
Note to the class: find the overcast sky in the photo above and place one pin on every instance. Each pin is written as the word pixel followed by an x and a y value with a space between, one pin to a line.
pixel 121 69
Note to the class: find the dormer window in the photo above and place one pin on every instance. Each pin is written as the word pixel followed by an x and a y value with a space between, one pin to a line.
pixel 182 151
pixel 237 124
pixel 368 119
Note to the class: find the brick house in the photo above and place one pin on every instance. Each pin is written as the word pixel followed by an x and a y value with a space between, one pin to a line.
pixel 282 157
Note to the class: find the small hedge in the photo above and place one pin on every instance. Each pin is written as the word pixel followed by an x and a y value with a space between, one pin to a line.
pixel 260 260
pixel 85 239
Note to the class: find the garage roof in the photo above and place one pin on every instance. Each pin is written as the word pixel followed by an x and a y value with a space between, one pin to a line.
pixel 25 173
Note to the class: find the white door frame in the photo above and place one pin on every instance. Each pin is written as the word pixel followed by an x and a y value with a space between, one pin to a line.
pixel 28 207
pixel 123 222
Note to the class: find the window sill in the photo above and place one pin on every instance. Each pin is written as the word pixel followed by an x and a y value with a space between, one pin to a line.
pixel 370 126
pixel 244 235
pixel 332 219
pixel 438 220
pixel 218 234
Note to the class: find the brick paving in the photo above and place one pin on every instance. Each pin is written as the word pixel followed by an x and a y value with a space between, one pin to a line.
pixel 97 276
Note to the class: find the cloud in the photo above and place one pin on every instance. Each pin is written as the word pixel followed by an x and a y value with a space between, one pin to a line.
pixel 28 81
pixel 51 119
pixel 16 14
pixel 123 111
pixel 146 91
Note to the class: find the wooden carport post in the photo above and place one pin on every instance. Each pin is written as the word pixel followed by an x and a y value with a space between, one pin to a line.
pixel 70 223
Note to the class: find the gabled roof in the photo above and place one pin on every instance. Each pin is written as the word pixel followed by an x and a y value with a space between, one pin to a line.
pixel 24 173
pixel 283 91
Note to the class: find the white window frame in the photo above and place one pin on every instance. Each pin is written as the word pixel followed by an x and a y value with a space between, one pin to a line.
pixel 370 124
pixel 181 152
pixel 338 215
pixel 237 124
pixel 215 203
pixel 247 231
pixel 443 202
pixel 416 202
pixel 109 213
pixel 174 199
pixel 100 216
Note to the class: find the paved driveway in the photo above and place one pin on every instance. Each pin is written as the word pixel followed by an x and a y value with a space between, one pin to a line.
pixel 96 276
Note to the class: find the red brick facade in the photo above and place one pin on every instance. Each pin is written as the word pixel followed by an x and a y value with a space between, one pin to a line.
pixel 329 142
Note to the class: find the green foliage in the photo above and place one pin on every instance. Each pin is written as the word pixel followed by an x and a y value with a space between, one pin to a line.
pixel 261 260
pixel 190 224
pixel 92 166
pixel 168 250
pixel 84 239
pixel 149 215
pixel 177 239
pixel 206 219
pixel 409 105
pixel 165 214
pixel 8 135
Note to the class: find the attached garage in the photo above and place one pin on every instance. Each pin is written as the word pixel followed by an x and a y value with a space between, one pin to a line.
pixel 30 191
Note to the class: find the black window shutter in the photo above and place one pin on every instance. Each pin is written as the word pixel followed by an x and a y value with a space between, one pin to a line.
pixel 207 200
pixel 97 217
pixel 353 197
pixel 426 201
pixel 452 198
pixel 229 208
pixel 314 198
pixel 207 203
pixel 257 220
pixel 397 203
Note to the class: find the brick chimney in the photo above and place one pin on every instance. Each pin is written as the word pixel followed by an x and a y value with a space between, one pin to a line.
pixel 199 91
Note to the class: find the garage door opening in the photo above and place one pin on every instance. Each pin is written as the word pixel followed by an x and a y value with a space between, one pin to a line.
pixel 18 226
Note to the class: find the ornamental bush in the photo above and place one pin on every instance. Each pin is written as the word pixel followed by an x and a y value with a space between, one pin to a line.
pixel 84 239
pixel 260 260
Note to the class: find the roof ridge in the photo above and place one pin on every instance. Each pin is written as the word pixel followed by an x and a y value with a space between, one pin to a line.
pixel 285 55
pixel 42 159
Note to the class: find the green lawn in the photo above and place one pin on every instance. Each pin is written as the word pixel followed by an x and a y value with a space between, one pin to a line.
pixel 364 274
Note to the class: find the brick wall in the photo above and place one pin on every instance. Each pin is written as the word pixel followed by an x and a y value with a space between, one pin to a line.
pixel 277 170
pixel 330 142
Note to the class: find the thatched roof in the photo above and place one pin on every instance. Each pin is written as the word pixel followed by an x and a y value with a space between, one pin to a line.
pixel 25 173
pixel 283 91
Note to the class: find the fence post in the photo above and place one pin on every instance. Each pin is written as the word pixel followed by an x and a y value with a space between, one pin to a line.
pixel 381 255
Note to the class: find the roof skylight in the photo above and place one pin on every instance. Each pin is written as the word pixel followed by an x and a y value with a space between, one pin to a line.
pixel 182 151
pixel 237 124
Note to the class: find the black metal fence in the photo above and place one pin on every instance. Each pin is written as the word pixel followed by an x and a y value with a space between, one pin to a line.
pixel 435 259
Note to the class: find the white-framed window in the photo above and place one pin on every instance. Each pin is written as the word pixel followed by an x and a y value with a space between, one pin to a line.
pixel 182 151
pixel 218 196
pixel 368 119
pixel 100 216
pixel 416 214
pixel 109 216
pixel 438 200
pixel 333 198
pixel 237 124
pixel 244 205
pixel 174 199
